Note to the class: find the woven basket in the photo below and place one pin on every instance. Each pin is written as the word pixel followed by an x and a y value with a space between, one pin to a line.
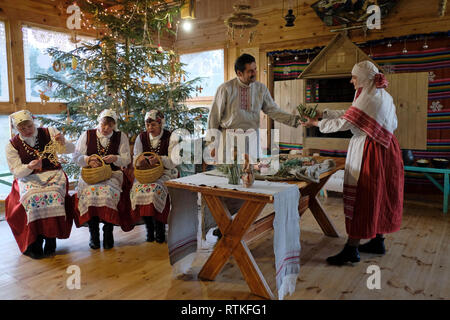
pixel 148 175
pixel 96 175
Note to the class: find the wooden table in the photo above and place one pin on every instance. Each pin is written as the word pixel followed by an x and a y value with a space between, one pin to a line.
pixel 243 228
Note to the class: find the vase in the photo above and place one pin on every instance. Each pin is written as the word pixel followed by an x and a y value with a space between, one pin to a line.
pixel 248 178
pixel 234 174
pixel 408 157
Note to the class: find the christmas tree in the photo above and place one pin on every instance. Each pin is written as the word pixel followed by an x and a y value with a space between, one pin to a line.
pixel 124 69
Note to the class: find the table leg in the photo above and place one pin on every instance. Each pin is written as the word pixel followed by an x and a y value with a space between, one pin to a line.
pixel 317 210
pixel 231 243
pixel 446 190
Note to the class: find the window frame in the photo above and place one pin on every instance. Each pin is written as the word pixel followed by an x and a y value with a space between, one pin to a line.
pixel 207 100
pixel 8 60
pixel 34 107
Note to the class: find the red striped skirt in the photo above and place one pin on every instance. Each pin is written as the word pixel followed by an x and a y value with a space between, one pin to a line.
pixel 379 194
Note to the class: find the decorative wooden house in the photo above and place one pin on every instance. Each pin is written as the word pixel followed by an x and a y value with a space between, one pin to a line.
pixel 326 82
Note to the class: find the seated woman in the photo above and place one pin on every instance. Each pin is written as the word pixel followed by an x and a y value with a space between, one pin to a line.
pixel 106 201
pixel 38 207
pixel 151 201
pixel 373 179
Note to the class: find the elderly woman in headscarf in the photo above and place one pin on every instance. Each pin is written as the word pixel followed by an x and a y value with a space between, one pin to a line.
pixel 150 201
pixel 374 176
pixel 106 201
pixel 38 207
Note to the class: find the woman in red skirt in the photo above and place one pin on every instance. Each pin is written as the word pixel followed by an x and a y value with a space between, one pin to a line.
pixel 150 201
pixel 374 176
pixel 107 201
pixel 38 207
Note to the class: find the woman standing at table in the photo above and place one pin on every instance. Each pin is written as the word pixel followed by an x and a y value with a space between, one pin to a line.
pixel 373 181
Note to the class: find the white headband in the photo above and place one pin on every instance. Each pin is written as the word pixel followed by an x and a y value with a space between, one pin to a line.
pixel 365 71
pixel 153 115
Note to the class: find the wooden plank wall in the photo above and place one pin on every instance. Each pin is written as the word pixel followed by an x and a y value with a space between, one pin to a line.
pixel 410 94
pixel 288 95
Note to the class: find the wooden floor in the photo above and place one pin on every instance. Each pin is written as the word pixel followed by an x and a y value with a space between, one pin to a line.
pixel 417 265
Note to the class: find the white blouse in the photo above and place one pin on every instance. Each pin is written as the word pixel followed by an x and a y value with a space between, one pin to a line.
pixel 167 162
pixel 17 168
pixel 123 158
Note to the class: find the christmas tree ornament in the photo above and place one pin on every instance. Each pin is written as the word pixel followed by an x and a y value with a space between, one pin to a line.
pixel 44 98
pixel 57 65
pixel 74 63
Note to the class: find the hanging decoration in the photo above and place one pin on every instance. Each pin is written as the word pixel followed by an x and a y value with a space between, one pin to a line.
pixel 44 98
pixel 442 7
pixel 74 63
pixel 241 20
pixel 57 65
pixel 290 17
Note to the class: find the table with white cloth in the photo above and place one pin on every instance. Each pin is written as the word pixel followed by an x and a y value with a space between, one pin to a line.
pixel 290 199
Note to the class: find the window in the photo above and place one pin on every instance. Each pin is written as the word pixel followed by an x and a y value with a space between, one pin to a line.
pixel 208 65
pixel 35 43
pixel 4 89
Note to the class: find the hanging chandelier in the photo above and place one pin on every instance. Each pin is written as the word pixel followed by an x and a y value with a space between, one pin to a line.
pixel 241 20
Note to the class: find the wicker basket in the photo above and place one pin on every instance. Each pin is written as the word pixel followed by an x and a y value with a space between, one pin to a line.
pixel 96 175
pixel 148 175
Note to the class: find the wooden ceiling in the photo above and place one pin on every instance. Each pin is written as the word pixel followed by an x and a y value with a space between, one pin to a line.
pixel 408 17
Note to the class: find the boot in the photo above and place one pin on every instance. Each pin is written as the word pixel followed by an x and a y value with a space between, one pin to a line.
pixel 348 254
pixel 160 231
pixel 375 245
pixel 94 230
pixel 150 229
pixel 50 246
pixel 34 250
pixel 108 238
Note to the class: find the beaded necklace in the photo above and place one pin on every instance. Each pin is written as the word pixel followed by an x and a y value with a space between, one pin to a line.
pixel 30 150
pixel 100 149
pixel 158 147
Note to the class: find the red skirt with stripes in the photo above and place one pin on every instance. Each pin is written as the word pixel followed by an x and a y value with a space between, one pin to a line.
pixel 25 234
pixel 120 217
pixel 150 211
pixel 379 194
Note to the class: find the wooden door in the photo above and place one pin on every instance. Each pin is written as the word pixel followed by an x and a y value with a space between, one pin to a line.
pixel 288 95
pixel 410 94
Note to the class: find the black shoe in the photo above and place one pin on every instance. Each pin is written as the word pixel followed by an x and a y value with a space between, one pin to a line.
pixel 94 230
pixel 108 238
pixel 30 253
pixel 348 254
pixel 375 245
pixel 150 229
pixel 217 233
pixel 160 231
pixel 34 250
pixel 50 246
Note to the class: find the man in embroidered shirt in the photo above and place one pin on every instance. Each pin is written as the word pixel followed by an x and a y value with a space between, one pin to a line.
pixel 237 105
pixel 238 102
